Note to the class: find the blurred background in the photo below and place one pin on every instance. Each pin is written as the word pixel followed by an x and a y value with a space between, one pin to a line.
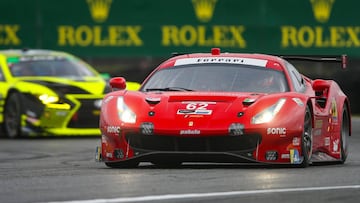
pixel 130 38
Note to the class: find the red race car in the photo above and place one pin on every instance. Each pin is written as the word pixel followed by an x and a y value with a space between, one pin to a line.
pixel 225 108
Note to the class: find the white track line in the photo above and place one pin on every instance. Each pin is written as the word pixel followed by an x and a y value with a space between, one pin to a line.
pixel 204 195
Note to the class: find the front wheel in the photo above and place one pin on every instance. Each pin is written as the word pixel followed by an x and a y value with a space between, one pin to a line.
pixel 307 139
pixel 12 116
pixel 344 134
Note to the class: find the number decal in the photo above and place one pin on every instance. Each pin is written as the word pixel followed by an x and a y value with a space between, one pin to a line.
pixel 199 108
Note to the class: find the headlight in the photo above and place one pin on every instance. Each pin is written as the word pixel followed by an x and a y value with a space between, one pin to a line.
pixel 268 114
pixel 48 99
pixel 124 112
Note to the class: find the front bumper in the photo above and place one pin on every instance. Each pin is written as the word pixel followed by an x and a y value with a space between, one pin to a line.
pixel 247 148
pixel 81 118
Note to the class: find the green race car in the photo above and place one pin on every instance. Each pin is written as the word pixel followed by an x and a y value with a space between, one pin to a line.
pixel 44 92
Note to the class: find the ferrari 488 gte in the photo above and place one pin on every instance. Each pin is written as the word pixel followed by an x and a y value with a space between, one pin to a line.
pixel 225 108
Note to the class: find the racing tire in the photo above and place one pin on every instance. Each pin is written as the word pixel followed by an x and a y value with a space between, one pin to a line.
pixel 123 164
pixel 306 139
pixel 344 134
pixel 12 116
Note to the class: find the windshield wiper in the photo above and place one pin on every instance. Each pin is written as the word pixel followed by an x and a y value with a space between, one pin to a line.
pixel 168 89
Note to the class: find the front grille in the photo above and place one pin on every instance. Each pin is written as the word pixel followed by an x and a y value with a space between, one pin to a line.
pixel 194 144
pixel 87 116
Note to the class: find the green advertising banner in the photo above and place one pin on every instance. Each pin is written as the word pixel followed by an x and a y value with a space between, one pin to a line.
pixel 159 27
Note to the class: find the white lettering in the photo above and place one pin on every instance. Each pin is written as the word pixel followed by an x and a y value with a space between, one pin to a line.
pixel 189 132
pixel 276 131
pixel 113 129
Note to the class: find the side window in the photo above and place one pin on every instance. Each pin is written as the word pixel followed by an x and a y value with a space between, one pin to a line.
pixel 296 78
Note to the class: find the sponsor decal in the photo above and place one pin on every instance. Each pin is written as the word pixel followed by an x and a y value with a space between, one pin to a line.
pixel 98 154
pixel 322 9
pixel 204 9
pixel 191 123
pixel 9 34
pixel 190 132
pixel 61 113
pixel 327 141
pixel 294 156
pixel 296 141
pixel 99 9
pixel 334 112
pixel 40 58
pixel 230 60
pixel 285 156
pixel 317 132
pixel 336 145
pixel 113 129
pixel 197 111
pixel 107 99
pixel 197 108
pixel 203 35
pixel 193 116
pixel 318 124
pixel 276 131
pixel 109 155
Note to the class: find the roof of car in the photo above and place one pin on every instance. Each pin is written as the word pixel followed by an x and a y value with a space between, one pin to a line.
pixel 271 58
pixel 30 52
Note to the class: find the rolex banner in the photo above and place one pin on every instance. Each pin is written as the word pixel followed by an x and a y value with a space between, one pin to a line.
pixel 160 27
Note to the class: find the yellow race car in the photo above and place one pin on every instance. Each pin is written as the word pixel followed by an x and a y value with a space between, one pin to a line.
pixel 45 92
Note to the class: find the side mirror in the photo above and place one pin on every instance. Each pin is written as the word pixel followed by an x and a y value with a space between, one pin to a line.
pixel 321 88
pixel 320 85
pixel 117 83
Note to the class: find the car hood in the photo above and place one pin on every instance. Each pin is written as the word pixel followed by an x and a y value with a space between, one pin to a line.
pixel 90 85
pixel 195 109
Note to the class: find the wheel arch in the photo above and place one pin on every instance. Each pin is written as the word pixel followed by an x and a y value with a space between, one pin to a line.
pixel 11 91
pixel 310 105
pixel 346 103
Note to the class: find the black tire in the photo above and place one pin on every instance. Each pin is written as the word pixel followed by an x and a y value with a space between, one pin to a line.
pixel 307 139
pixel 344 134
pixel 123 164
pixel 12 116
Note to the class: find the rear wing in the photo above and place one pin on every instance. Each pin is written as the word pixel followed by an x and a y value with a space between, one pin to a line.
pixel 343 59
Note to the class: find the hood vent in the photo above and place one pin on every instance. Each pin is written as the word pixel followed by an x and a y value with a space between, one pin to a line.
pixel 151 100
pixel 248 101
pixel 60 88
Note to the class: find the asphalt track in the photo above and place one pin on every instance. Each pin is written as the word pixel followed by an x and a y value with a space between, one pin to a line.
pixel 63 169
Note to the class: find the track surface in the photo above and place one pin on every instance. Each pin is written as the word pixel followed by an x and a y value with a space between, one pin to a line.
pixel 63 169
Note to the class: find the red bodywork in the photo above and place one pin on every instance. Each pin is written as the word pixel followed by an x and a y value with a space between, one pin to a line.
pixel 166 128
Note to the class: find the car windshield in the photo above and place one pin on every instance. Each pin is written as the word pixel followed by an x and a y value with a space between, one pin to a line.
pixel 56 67
pixel 217 77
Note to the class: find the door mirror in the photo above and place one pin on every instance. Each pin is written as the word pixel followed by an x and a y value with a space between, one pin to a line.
pixel 117 83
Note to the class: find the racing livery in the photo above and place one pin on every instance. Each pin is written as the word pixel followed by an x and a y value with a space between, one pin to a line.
pixel 44 92
pixel 225 108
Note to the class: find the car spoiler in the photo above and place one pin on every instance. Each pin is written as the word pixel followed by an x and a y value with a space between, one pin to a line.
pixel 343 59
